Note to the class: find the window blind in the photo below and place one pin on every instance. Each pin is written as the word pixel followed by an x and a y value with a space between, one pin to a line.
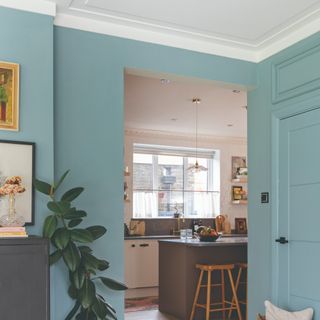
pixel 173 151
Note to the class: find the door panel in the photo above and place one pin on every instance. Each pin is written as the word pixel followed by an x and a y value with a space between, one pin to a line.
pixel 300 229
pixel 299 212
pixel 304 263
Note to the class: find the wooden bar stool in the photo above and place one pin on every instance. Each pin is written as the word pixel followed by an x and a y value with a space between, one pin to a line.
pixel 224 305
pixel 243 267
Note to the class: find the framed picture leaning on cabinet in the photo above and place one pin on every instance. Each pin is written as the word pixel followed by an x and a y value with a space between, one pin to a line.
pixel 17 158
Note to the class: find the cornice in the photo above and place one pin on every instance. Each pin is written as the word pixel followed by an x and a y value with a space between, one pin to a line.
pixel 145 133
pixel 36 6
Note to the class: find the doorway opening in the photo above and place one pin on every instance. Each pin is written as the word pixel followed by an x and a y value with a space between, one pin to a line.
pixel 164 137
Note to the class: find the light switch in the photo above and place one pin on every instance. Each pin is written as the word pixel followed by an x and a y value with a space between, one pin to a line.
pixel 264 197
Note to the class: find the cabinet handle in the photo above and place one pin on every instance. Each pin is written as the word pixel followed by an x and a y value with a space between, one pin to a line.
pixel 133 246
pixel 144 245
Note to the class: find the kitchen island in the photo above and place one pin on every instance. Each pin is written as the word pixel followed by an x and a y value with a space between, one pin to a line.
pixel 177 273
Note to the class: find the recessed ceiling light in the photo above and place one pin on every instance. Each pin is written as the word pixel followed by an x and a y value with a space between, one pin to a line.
pixel 164 81
pixel 236 91
pixel 230 125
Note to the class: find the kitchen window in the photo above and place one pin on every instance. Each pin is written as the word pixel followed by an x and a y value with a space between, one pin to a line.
pixel 163 185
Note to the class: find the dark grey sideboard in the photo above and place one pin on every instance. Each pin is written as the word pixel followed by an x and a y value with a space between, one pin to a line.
pixel 24 279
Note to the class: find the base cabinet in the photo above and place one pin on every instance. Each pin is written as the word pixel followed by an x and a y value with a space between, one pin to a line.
pixel 141 263
pixel 24 279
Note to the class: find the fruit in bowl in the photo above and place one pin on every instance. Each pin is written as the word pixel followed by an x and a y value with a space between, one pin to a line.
pixel 208 234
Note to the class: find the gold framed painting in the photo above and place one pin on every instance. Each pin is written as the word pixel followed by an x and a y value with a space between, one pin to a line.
pixel 9 96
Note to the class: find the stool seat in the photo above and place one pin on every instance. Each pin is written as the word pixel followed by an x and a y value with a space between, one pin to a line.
pixel 222 306
pixel 212 267
pixel 241 265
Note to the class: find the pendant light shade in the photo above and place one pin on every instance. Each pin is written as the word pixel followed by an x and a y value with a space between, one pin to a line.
pixel 196 167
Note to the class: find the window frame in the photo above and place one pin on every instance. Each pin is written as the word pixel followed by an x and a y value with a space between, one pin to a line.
pixel 174 151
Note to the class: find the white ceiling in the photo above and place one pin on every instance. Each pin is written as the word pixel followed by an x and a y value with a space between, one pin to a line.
pixel 246 29
pixel 151 105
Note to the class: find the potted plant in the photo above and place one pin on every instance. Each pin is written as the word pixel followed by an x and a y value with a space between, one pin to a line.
pixel 70 243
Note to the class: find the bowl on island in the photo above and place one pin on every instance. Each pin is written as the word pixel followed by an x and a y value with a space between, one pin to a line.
pixel 208 234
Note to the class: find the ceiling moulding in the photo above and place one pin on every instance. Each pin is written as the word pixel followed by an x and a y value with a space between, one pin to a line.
pixel 288 37
pixel 160 36
pixel 36 6
pixel 182 39
pixel 144 133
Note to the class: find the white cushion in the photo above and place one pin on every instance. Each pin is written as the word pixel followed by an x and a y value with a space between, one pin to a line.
pixel 275 313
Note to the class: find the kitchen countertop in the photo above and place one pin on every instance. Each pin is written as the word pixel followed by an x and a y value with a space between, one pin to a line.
pixel 168 236
pixel 156 237
pixel 223 241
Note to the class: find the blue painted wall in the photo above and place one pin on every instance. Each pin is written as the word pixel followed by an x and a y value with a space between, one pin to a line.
pixel 27 39
pixel 287 83
pixel 89 120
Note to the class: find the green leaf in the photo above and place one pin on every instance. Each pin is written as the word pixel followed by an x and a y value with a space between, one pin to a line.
pixel 61 180
pixel 87 294
pixel 99 308
pixel 113 284
pixel 81 235
pixel 90 262
pixel 54 257
pixel 75 214
pixel 77 278
pixel 71 256
pixel 110 314
pixel 61 238
pixel 72 292
pixel 74 223
pixel 85 249
pixel 49 226
pixel 73 311
pixel 97 231
pixel 110 307
pixel 103 265
pixel 42 187
pixel 87 314
pixel 72 194
pixel 61 207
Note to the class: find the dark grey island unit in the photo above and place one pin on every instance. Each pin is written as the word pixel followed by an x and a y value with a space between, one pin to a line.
pixel 177 273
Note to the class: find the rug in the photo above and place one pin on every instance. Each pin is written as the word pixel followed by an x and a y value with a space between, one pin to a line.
pixel 141 304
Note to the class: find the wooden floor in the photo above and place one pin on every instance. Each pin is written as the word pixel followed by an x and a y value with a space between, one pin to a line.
pixel 147 315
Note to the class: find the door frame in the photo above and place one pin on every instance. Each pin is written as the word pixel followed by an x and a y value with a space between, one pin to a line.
pixel 287 110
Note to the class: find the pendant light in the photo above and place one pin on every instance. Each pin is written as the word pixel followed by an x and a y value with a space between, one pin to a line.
pixel 196 167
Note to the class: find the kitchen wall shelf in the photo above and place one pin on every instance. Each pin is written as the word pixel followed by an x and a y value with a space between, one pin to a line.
pixel 239 201
pixel 242 180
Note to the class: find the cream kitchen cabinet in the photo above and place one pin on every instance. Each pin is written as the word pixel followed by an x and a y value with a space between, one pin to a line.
pixel 141 263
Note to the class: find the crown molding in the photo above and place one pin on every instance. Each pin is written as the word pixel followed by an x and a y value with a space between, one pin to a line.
pixel 146 133
pixel 189 41
pixel 36 6
pixel 166 37
pixel 289 37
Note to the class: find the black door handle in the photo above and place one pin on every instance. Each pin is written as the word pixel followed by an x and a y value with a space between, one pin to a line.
pixel 144 245
pixel 282 240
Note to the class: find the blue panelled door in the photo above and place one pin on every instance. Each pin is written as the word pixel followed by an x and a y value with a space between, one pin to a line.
pixel 298 284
